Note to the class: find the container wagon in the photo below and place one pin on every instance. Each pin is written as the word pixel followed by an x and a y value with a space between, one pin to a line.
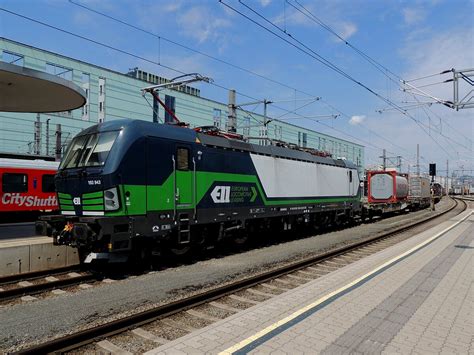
pixel 438 191
pixel 419 194
pixel 387 191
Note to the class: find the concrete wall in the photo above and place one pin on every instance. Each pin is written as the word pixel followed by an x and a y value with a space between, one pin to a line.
pixel 17 257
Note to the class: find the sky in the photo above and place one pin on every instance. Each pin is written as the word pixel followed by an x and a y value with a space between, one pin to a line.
pixel 368 47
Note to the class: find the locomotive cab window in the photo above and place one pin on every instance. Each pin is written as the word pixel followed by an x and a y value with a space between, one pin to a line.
pixel 350 176
pixel 14 182
pixel 47 183
pixel 182 161
pixel 89 150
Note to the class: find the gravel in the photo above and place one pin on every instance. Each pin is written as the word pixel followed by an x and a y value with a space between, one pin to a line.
pixel 214 311
pixel 134 344
pixel 189 320
pixel 38 321
pixel 165 331
pixel 267 290
pixel 251 296
pixel 234 303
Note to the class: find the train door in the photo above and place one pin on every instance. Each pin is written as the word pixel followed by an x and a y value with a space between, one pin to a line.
pixel 350 174
pixel 184 175
pixel 185 171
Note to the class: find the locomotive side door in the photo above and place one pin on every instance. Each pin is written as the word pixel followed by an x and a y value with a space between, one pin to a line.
pixel 184 174
pixel 351 184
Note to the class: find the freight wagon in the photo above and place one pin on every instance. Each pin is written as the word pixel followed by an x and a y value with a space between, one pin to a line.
pixel 387 191
pixel 419 192
pixel 438 191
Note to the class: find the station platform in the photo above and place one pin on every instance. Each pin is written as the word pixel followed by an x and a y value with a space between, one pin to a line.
pixel 17 230
pixel 414 297
pixel 24 255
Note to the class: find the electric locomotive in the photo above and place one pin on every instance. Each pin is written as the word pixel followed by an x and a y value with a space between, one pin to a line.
pixel 131 188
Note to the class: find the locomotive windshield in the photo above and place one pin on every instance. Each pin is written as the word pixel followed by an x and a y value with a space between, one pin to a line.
pixel 89 150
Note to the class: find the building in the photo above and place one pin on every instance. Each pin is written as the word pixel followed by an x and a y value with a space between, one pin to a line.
pixel 114 95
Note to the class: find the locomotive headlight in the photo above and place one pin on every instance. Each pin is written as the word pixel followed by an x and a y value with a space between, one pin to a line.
pixel 111 200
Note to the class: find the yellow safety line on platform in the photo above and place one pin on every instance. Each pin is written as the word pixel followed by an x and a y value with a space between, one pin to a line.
pixel 299 312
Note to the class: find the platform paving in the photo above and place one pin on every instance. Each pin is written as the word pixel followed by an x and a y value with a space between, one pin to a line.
pixel 422 304
pixel 31 322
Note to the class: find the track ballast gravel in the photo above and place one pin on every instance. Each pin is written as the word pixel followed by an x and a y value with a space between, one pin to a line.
pixel 38 321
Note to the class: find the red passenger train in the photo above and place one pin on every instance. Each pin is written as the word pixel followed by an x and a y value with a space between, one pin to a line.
pixel 26 186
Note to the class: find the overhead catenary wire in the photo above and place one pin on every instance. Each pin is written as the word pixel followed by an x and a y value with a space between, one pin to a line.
pixel 191 49
pixel 186 47
pixel 121 51
pixel 367 57
pixel 113 48
pixel 391 142
pixel 133 55
pixel 310 52
pixel 427 76
pixel 383 69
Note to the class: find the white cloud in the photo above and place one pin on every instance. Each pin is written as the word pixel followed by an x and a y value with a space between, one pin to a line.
pixel 356 119
pixel 346 29
pixel 199 24
pixel 166 11
pixel 265 3
pixel 329 13
pixel 413 16
pixel 293 17
pixel 172 6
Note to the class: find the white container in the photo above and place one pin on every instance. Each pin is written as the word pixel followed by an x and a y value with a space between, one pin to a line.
pixel 382 187
pixel 419 187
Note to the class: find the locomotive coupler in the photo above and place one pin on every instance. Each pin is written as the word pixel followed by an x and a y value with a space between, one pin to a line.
pixel 65 236
pixel 82 233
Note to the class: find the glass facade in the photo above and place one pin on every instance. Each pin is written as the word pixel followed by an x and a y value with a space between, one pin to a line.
pixel 114 95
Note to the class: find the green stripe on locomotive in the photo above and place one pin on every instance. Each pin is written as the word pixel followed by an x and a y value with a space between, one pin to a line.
pixel 143 198
pixel 65 202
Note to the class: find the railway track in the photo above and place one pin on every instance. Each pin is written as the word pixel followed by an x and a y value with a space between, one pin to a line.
pixel 143 331
pixel 12 287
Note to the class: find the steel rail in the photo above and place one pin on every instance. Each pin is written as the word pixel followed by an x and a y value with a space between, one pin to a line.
pixel 45 286
pixel 87 336
pixel 9 279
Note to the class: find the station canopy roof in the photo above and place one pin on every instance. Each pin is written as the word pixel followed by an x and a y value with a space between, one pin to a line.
pixel 28 90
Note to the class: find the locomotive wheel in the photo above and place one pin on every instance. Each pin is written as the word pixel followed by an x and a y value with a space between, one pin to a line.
pixel 140 256
pixel 180 250
pixel 240 239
